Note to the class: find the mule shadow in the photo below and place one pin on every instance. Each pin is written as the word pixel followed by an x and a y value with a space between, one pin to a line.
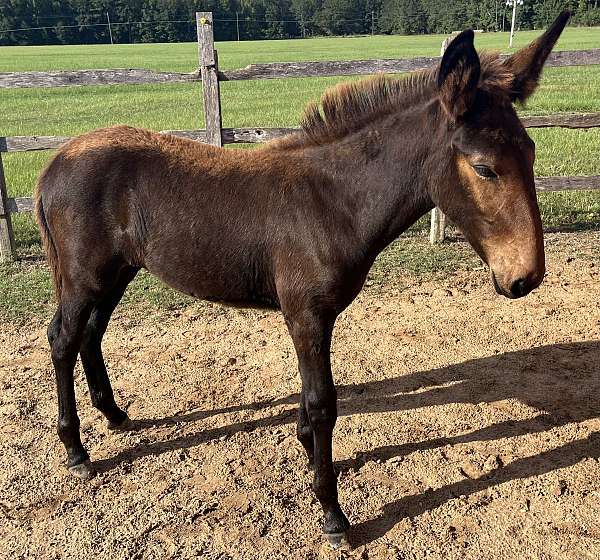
pixel 561 381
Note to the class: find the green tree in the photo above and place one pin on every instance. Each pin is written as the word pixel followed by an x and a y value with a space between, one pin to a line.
pixel 84 21
pixel 547 10
pixel 304 11
pixel 343 17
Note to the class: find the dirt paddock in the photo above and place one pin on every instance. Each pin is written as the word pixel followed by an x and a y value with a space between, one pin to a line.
pixel 469 428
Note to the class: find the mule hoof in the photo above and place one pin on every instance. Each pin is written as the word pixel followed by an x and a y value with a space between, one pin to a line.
pixel 84 471
pixel 124 426
pixel 338 540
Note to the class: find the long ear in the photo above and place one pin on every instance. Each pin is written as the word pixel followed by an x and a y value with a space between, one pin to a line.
pixel 458 76
pixel 526 65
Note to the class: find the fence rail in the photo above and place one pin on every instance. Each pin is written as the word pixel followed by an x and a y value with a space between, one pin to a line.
pixel 393 66
pixel 257 135
pixel 67 78
pixel 215 134
pixel 542 184
pixel 266 71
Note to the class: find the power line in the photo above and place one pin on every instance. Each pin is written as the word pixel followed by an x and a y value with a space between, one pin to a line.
pixel 96 25
pixel 65 16
pixel 286 20
pixel 116 23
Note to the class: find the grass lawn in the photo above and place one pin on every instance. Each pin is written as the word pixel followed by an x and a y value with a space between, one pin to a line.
pixel 71 111
pixel 183 57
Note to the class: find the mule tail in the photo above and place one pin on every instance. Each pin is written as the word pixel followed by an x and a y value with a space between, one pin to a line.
pixel 47 242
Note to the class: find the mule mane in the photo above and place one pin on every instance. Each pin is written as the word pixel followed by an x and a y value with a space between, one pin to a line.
pixel 350 106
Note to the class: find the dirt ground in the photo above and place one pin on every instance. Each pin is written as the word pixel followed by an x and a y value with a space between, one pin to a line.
pixel 469 429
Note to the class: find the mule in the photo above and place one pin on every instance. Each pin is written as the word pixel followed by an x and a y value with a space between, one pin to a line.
pixel 294 225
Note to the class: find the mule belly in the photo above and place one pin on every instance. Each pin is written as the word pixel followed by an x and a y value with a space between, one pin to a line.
pixel 240 281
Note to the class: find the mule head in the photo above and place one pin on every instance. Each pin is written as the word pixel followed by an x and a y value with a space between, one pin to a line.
pixel 489 189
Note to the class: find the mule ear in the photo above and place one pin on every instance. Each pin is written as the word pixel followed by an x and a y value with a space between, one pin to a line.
pixel 526 65
pixel 458 75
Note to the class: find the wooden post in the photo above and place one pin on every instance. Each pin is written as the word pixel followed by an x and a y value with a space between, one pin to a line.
pixel 7 238
pixel 437 232
pixel 209 68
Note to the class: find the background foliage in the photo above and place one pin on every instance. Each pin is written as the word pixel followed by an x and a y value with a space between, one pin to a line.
pixel 135 21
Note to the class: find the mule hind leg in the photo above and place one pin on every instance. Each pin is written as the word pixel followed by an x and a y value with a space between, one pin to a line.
pixel 101 392
pixel 65 334
pixel 84 289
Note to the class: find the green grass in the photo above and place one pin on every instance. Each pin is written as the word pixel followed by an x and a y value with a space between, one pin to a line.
pixel 71 111
pixel 26 292
pixel 183 57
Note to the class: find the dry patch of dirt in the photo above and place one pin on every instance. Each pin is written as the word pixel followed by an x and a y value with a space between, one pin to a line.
pixel 469 428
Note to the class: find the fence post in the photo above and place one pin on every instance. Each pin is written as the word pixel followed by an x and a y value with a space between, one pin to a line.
pixel 437 232
pixel 209 68
pixel 7 238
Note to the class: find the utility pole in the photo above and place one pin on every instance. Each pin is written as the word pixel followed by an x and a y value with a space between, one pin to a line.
pixel 512 25
pixel 109 29
pixel 372 23
pixel 514 19
pixel 496 10
pixel 237 25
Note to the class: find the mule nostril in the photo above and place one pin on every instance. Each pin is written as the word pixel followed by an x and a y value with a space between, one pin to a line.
pixel 519 288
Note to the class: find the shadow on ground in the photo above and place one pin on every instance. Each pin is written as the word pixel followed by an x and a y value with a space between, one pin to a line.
pixel 561 381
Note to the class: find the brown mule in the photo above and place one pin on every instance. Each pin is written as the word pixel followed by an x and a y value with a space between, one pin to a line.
pixel 294 225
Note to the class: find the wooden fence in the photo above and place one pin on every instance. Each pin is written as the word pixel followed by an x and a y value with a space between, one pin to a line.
pixel 210 76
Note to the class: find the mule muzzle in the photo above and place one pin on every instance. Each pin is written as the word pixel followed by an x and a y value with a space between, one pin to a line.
pixel 519 287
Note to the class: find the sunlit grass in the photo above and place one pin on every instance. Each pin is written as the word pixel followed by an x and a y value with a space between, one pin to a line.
pixel 183 57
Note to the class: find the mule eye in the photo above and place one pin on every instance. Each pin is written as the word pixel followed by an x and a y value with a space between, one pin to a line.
pixel 485 172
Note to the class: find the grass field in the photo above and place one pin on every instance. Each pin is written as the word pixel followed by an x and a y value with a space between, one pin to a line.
pixel 70 111
pixel 183 57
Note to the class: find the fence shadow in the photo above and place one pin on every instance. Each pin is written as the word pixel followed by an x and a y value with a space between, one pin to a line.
pixel 411 506
pixel 562 381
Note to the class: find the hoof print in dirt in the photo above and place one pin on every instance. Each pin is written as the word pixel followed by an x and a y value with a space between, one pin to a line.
pixel 84 471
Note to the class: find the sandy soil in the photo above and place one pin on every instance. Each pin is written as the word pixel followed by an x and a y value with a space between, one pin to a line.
pixel 469 428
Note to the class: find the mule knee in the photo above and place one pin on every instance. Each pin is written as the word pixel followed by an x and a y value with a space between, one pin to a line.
pixel 94 328
pixel 91 341
pixel 304 432
pixel 63 351
pixel 321 407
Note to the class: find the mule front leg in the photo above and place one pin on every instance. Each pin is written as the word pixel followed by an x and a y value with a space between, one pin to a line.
pixel 304 433
pixel 312 340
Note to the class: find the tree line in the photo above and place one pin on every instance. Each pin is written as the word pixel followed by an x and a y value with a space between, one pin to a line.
pixel 30 22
